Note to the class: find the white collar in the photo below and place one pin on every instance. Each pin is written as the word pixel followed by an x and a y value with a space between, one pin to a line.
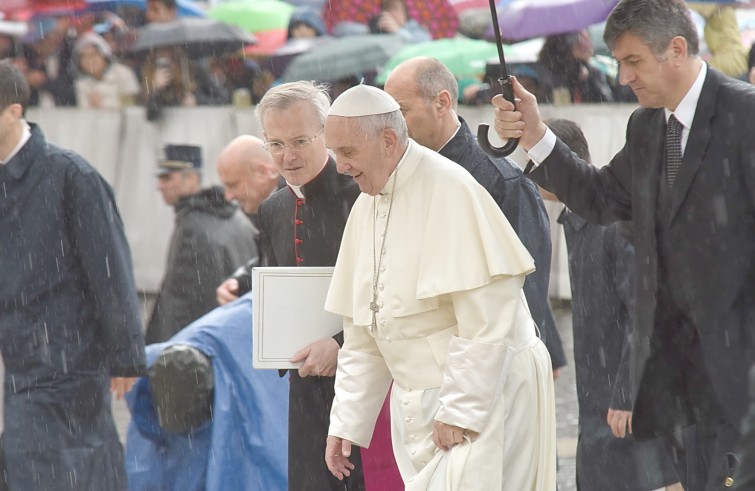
pixel 685 112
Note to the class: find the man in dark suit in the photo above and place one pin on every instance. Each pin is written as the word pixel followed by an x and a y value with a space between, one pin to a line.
pixel 691 196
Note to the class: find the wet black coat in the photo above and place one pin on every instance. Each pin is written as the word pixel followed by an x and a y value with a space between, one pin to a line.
pixel 210 239
pixel 308 232
pixel 602 286
pixel 519 199
pixel 711 231
pixel 69 319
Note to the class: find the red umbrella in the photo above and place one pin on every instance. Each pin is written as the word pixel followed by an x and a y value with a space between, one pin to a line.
pixel 9 7
pixel 437 16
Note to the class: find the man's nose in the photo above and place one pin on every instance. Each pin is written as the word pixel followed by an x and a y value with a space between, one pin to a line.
pixel 626 75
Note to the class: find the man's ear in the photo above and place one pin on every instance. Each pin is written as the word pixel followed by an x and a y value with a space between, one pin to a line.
pixel 16 110
pixel 679 49
pixel 390 140
pixel 443 103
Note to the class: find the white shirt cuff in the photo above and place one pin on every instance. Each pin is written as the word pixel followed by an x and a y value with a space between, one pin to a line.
pixel 542 149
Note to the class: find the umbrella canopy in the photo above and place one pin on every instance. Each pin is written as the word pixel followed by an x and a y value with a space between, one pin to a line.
pixel 253 15
pixel 200 37
pixel 524 19
pixel 344 57
pixel 280 59
pixel 466 58
pixel 185 8
pixel 437 16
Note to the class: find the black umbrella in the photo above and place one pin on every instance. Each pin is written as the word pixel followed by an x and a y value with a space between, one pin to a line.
pixel 508 94
pixel 200 37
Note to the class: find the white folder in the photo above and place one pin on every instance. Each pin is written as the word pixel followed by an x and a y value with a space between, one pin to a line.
pixel 289 313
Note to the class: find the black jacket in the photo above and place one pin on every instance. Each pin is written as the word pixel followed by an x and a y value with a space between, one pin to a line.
pixel 211 237
pixel 520 201
pixel 69 319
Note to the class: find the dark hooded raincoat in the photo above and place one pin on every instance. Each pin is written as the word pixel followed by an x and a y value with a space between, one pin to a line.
pixel 69 320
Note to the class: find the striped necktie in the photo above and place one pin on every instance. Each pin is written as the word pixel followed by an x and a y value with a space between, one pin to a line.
pixel 673 149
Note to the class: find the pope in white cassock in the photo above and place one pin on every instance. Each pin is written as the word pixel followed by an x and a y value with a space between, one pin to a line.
pixel 429 283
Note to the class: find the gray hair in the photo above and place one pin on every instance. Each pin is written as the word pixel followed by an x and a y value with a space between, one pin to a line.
pixel 372 125
pixel 286 95
pixel 655 22
pixel 432 76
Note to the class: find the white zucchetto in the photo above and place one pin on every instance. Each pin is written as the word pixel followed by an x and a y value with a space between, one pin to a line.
pixel 363 100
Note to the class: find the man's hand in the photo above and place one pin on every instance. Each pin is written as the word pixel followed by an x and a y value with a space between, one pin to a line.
pixel 446 436
pixel 226 292
pixel 522 121
pixel 337 453
pixel 620 422
pixel 120 385
pixel 320 358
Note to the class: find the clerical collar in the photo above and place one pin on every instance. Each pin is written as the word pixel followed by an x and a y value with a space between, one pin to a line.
pixel 25 135
pixel 685 111
pixel 297 191
pixel 385 192
pixel 458 126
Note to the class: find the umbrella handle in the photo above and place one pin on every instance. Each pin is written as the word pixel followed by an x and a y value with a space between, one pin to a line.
pixel 482 130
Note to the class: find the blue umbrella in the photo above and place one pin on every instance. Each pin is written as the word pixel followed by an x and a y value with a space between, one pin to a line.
pixel 186 8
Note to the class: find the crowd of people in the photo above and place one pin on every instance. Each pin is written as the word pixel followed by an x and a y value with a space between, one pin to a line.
pixel 441 375
pixel 85 59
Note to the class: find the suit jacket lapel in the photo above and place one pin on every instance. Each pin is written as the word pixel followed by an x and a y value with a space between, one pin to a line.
pixel 697 142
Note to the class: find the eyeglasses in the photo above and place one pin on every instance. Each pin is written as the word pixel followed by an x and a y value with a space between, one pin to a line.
pixel 277 148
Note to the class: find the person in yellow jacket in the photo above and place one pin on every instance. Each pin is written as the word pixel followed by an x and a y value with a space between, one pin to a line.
pixel 723 38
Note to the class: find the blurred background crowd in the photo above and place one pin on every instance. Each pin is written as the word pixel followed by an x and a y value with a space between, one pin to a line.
pixel 162 53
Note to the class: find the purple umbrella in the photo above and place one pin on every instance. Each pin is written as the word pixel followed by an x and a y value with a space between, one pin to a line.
pixel 525 19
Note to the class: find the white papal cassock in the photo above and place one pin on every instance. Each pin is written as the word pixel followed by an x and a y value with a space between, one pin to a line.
pixel 453 331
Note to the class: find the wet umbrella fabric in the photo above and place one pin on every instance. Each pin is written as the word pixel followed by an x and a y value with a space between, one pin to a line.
pixel 253 16
pixel 282 57
pixel 200 37
pixel 464 57
pixel 437 16
pixel 524 19
pixel 344 57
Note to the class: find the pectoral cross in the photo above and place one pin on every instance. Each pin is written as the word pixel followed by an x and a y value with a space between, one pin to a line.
pixel 374 308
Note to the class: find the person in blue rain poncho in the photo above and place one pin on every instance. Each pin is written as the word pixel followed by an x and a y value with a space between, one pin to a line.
pixel 242 445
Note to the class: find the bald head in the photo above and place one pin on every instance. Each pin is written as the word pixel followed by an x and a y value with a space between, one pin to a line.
pixel 426 91
pixel 247 172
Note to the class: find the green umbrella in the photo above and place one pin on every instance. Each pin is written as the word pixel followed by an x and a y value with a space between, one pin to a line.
pixel 463 56
pixel 253 15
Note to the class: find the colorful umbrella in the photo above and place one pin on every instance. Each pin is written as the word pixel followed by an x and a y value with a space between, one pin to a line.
pixel 253 15
pixel 437 16
pixel 524 19
pixel 344 57
pixel 466 58
pixel 186 8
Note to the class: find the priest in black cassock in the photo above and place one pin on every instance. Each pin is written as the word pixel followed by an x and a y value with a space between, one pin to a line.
pixel 301 225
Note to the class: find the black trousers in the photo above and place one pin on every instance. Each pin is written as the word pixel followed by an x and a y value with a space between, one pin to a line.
pixel 685 409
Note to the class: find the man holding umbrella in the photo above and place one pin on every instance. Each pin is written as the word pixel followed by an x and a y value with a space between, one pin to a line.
pixel 686 178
